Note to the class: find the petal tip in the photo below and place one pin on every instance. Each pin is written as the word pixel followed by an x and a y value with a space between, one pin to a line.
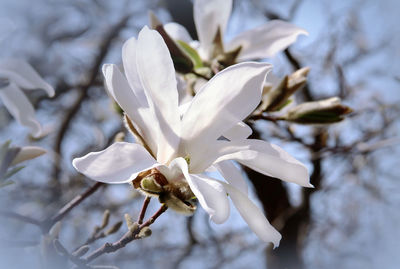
pixel 277 241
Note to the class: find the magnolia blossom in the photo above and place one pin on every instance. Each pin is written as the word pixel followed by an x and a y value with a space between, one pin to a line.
pixel 14 76
pixel 261 42
pixel 182 143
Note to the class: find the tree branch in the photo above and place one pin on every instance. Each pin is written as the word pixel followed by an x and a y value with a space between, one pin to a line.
pixel 126 238
pixel 83 89
pixel 71 205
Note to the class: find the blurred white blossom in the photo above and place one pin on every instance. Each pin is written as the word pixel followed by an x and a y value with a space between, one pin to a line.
pixel 258 43
pixel 16 75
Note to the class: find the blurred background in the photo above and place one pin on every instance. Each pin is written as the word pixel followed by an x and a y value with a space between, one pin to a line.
pixel 350 220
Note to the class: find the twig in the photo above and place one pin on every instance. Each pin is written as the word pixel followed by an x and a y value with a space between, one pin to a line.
pixel 144 208
pixel 264 117
pixel 19 217
pixel 126 238
pixel 71 205
pixel 104 47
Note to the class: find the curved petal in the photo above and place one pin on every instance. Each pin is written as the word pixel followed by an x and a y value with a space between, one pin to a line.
pixel 253 216
pixel 210 193
pixel 22 74
pixel 232 175
pixel 131 73
pixel 119 163
pixel 20 108
pixel 178 32
pixel 157 74
pixel 28 153
pixel 240 131
pixel 208 16
pixel 270 160
pixel 224 101
pixel 266 40
pixel 217 151
pixel 118 88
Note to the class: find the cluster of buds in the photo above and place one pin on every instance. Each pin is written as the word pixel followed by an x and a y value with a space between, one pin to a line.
pixel 177 195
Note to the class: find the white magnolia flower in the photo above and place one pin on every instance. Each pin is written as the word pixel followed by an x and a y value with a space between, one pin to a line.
pixel 258 43
pixel 14 76
pixel 183 144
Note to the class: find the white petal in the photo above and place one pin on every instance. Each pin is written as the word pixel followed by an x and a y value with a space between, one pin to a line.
pixel 215 151
pixel 208 16
pixel 270 160
pixel 253 216
pixel 28 153
pixel 131 73
pixel 240 131
pixel 118 88
pixel 210 193
pixel 157 74
pixel 233 175
pixel 224 101
pixel 183 93
pixel 119 163
pixel 22 74
pixel 177 32
pixel 266 40
pixel 20 108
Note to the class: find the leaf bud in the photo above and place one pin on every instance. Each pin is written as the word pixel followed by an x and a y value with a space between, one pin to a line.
pixel 318 112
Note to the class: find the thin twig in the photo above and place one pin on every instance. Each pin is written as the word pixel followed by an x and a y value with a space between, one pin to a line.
pixel 264 117
pixel 144 208
pixel 84 88
pixel 19 217
pixel 126 238
pixel 71 205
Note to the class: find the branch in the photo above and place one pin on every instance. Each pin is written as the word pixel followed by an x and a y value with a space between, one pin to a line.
pixel 19 217
pixel 71 205
pixel 126 238
pixel 144 208
pixel 83 89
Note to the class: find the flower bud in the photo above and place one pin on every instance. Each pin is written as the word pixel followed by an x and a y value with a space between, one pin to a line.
pixel 318 112
pixel 132 226
pixel 183 207
pixel 144 232
pixel 278 97
pixel 106 218
pixel 148 184
pixel 81 251
pixel 114 228
pixel 151 182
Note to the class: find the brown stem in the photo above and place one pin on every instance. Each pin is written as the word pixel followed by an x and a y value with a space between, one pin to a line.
pixel 71 205
pixel 126 238
pixel 144 208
